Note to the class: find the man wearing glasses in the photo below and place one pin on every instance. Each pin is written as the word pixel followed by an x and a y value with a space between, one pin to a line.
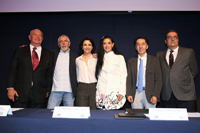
pixel 179 69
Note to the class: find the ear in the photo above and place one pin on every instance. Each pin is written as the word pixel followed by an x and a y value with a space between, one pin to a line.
pixel 29 37
pixel 69 44
pixel 165 42
pixel 113 45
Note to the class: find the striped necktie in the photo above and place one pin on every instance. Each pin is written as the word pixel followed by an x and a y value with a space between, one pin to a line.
pixel 35 58
pixel 171 59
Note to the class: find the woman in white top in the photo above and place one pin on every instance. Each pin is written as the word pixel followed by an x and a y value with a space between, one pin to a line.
pixel 111 73
pixel 86 64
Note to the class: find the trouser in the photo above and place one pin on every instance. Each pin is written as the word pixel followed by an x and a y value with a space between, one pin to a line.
pixel 30 102
pixel 173 102
pixel 85 95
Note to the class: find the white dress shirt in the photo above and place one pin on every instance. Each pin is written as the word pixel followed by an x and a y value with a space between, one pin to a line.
pixel 113 74
pixel 61 78
pixel 86 73
pixel 144 59
pixel 175 53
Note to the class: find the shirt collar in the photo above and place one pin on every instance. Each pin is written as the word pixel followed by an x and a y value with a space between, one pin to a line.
pixel 143 56
pixel 109 54
pixel 64 52
pixel 89 58
pixel 175 50
pixel 31 46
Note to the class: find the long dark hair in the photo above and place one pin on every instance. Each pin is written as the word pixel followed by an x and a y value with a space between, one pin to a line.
pixel 81 45
pixel 101 54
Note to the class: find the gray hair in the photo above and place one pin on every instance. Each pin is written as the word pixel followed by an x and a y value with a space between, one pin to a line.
pixel 63 36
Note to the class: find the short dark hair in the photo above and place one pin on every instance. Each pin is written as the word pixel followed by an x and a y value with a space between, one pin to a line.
pixel 146 40
pixel 169 32
pixel 81 45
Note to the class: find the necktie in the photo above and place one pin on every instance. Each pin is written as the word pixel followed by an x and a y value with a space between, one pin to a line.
pixel 140 76
pixel 35 58
pixel 171 59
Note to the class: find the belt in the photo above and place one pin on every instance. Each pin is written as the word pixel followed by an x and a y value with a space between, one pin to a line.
pixel 143 88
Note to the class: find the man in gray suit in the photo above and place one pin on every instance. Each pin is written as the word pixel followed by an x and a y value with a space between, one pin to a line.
pixel 179 69
pixel 144 81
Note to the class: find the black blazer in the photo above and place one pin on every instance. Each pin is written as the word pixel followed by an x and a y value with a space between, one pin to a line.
pixel 21 74
pixel 72 67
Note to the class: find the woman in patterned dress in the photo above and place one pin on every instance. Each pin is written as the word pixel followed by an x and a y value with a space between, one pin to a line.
pixel 111 72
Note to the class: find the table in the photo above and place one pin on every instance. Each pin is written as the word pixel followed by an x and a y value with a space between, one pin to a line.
pixel 41 121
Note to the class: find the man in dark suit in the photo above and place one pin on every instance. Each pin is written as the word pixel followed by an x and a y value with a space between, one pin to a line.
pixel 30 73
pixel 144 79
pixel 179 69
pixel 64 76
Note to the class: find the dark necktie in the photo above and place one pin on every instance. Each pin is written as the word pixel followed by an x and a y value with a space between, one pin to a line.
pixel 171 59
pixel 35 58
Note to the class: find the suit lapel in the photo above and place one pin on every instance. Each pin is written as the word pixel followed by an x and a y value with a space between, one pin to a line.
pixel 165 60
pixel 56 53
pixel 70 60
pixel 148 66
pixel 148 63
pixel 135 66
pixel 41 59
pixel 178 58
pixel 29 57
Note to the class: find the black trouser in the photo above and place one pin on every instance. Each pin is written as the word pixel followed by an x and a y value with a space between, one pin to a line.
pixel 173 102
pixel 30 102
pixel 86 95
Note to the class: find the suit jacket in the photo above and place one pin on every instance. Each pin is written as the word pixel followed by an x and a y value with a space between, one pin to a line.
pixel 72 67
pixel 180 78
pixel 21 74
pixel 153 77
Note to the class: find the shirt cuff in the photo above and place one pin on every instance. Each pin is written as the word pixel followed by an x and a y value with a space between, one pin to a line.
pixel 10 88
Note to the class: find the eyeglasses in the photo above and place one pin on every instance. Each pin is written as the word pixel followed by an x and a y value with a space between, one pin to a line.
pixel 170 37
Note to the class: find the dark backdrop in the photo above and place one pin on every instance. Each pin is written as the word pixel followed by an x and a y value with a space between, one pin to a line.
pixel 123 27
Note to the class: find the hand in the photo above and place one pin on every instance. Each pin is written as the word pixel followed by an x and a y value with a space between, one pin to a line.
pixel 153 100
pixel 11 94
pixel 22 46
pixel 130 99
pixel 47 95
pixel 120 97
pixel 94 55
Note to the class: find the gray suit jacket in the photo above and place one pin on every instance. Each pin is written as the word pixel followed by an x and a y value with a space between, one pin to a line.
pixel 153 77
pixel 180 78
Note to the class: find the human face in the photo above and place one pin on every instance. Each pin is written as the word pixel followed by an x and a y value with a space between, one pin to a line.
pixel 36 37
pixel 107 45
pixel 172 40
pixel 64 43
pixel 87 47
pixel 141 47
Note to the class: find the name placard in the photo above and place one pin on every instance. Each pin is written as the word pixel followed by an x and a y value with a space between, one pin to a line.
pixel 5 110
pixel 168 114
pixel 71 112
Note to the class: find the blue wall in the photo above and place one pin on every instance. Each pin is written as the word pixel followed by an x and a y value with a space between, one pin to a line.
pixel 123 27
